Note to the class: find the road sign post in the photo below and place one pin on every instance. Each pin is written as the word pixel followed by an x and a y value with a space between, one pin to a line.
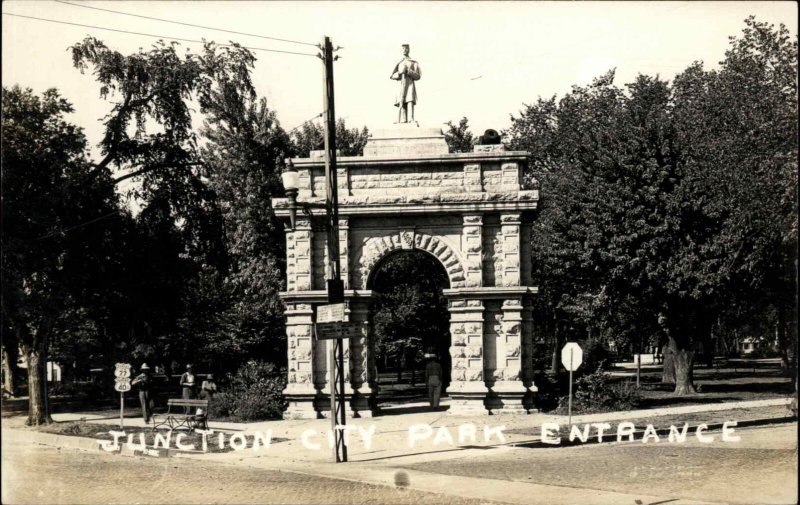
pixel 571 358
pixel 122 383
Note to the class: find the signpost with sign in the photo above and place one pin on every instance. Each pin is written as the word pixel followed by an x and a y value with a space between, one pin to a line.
pixel 334 331
pixel 122 383
pixel 571 358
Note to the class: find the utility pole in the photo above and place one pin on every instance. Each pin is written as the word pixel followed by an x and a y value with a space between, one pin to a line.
pixel 333 269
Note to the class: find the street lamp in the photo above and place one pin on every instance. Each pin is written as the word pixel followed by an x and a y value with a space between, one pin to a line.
pixel 291 186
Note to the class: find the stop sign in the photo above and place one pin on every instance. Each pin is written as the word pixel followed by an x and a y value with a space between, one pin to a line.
pixel 571 356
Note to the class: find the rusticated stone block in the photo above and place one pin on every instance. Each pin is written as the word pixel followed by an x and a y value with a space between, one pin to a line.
pixel 474 375
pixel 473 352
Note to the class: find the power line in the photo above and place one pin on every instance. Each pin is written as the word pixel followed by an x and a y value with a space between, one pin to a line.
pixel 306 121
pixel 154 36
pixel 186 24
pixel 87 223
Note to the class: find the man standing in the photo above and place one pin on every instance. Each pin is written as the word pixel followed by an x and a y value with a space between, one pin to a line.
pixel 188 385
pixel 142 382
pixel 433 379
pixel 407 71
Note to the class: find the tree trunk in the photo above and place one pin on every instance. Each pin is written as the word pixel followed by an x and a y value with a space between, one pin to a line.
pixel 683 364
pixel 668 369
pixel 555 361
pixel 10 356
pixel 37 386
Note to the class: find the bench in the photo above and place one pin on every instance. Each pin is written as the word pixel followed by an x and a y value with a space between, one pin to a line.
pixel 176 420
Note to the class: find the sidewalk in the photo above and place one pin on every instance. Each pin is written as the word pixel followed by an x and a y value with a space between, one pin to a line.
pixel 389 449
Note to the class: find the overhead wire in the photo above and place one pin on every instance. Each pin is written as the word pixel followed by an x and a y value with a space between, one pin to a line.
pixel 186 24
pixel 306 121
pixel 87 223
pixel 154 36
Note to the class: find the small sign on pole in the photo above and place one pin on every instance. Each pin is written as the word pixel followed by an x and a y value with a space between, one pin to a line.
pixel 122 383
pixel 333 331
pixel 571 358
pixel 333 313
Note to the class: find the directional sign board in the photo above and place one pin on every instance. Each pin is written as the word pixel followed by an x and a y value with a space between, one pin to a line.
pixel 571 356
pixel 333 313
pixel 332 331
pixel 122 385
pixel 122 371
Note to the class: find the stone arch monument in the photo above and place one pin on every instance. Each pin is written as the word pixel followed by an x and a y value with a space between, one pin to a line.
pixel 467 210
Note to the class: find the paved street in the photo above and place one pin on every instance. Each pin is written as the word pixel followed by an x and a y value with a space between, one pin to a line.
pixel 761 468
pixel 40 474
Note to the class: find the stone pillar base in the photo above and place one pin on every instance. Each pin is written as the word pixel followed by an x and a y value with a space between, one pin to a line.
pixel 318 406
pixel 302 406
pixel 359 405
pixel 507 397
pixel 467 399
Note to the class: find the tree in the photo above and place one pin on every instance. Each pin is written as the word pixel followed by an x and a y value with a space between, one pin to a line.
pixel 640 207
pixel 411 314
pixel 311 137
pixel 181 265
pixel 245 148
pixel 458 137
pixel 53 248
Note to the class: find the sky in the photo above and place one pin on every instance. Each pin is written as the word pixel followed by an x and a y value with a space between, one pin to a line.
pixel 482 60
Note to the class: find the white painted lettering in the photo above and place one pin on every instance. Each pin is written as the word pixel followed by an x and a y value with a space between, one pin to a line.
pixel 625 429
pixel 548 429
pixel 497 431
pixel 262 438
pixel 418 432
pixel 366 435
pixel 112 446
pixel 238 442
pixel 443 436
pixel 601 428
pixel 650 432
pixel 308 444
pixel 467 433
pixel 204 434
pixel 704 439
pixel 678 436
pixel 576 433
pixel 180 445
pixel 162 441
pixel 727 432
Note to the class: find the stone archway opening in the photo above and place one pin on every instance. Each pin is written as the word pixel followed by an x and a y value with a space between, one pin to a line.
pixel 410 319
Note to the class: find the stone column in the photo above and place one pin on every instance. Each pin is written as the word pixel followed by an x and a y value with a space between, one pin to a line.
pixel 358 312
pixel 472 247
pixel 302 388
pixel 344 250
pixel 467 389
pixel 506 389
pixel 299 266
pixel 510 230
pixel 528 401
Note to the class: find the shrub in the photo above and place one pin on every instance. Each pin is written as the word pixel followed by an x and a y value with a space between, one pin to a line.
pixel 595 355
pixel 255 393
pixel 549 389
pixel 596 393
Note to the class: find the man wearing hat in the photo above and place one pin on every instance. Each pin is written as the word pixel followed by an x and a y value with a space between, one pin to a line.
pixel 433 379
pixel 407 72
pixel 142 382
